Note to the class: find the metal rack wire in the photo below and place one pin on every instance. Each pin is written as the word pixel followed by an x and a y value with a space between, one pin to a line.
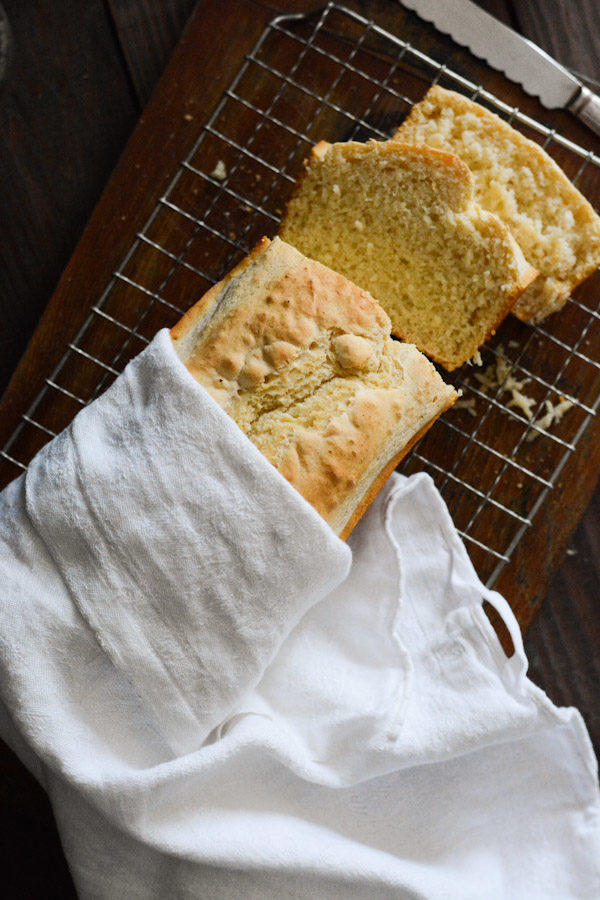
pixel 338 76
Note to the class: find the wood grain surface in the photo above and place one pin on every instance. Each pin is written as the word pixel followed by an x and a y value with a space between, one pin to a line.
pixel 146 34
pixel 78 83
pixel 65 82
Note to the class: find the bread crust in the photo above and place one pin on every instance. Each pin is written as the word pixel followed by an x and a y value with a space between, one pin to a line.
pixel 451 160
pixel 387 470
pixel 192 321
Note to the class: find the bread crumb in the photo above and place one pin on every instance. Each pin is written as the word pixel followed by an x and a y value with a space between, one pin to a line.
pixel 468 405
pixel 476 359
pixel 392 196
pixel 499 376
pixel 554 413
pixel 220 171
pixel 522 402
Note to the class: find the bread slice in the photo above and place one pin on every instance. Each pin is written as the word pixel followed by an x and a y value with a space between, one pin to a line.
pixel 556 228
pixel 400 221
pixel 303 361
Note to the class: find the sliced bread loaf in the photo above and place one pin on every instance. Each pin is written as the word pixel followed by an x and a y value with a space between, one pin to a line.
pixel 303 361
pixel 555 226
pixel 401 222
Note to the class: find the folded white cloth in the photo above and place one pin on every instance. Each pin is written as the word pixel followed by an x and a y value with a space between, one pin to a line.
pixel 220 707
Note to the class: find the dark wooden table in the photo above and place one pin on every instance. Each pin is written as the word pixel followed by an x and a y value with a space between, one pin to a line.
pixel 79 78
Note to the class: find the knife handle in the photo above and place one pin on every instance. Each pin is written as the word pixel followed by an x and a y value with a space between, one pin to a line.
pixel 586 106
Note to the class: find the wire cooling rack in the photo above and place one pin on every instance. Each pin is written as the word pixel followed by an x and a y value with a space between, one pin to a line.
pixel 337 76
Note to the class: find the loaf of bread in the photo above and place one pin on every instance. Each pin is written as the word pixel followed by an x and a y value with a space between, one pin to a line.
pixel 556 228
pixel 302 360
pixel 400 221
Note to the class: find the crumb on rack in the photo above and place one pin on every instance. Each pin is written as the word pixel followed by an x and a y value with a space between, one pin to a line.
pixel 220 171
pixel 499 375
pixel 554 413
pixel 468 405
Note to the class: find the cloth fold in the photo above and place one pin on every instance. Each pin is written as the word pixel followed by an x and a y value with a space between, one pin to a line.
pixel 187 558
pixel 220 706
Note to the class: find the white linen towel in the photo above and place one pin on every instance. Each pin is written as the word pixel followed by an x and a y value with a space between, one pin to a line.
pixel 219 708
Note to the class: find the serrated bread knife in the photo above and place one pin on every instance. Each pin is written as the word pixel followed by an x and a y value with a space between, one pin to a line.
pixel 507 51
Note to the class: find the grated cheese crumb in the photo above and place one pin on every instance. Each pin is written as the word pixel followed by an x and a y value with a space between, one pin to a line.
pixel 468 405
pixel 499 375
pixel 219 172
pixel 554 413
pixel 520 401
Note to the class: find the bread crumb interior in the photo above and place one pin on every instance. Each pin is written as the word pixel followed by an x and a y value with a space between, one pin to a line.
pixel 442 268
pixel 555 226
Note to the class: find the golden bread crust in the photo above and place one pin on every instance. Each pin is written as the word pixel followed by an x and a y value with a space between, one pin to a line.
pixel 387 470
pixel 196 314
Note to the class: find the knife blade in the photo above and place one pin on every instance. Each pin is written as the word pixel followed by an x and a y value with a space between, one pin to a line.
pixel 517 57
